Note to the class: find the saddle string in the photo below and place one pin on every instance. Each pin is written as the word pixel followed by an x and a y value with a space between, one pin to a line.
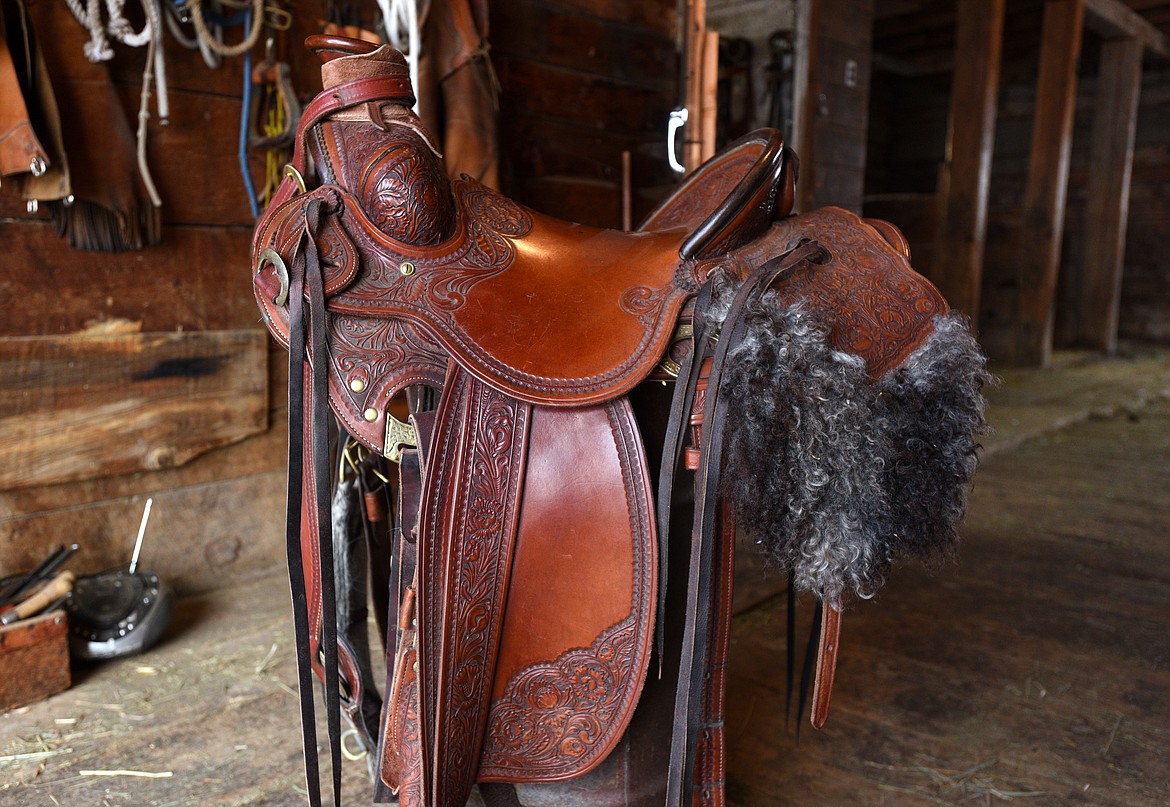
pixel 688 696
pixel 296 571
pixel 306 273
pixel 680 407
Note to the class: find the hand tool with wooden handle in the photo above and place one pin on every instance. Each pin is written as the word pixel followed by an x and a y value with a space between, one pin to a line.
pixel 56 588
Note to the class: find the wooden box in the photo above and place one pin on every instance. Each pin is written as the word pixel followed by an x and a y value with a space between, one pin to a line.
pixel 34 659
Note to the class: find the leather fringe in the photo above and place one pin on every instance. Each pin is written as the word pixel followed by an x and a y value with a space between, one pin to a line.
pixel 90 226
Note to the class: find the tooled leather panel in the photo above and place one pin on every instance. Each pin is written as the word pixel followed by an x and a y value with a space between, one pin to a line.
pixel 467 542
pixel 697 198
pixel 409 739
pixel 549 311
pixel 373 360
pixel 399 180
pixel 554 716
pixel 879 307
pixel 559 717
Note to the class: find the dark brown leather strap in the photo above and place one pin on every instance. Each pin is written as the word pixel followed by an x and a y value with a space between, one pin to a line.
pixel 343 96
pixel 309 468
pixel 696 639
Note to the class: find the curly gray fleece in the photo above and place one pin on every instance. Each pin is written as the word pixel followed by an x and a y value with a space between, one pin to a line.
pixel 858 474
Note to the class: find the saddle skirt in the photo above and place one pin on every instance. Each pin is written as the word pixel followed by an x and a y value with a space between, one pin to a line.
pixel 821 396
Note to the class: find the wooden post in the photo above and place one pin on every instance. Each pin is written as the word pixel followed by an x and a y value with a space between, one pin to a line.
pixel 1107 209
pixel 709 100
pixel 1038 253
pixel 804 91
pixel 694 47
pixel 963 188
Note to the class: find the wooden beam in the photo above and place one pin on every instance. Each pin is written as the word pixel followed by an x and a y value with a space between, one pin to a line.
pixel 694 39
pixel 1107 208
pixel 1112 19
pixel 804 92
pixel 1042 227
pixel 966 176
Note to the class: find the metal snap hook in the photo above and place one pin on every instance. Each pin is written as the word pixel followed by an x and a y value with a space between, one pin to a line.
pixel 270 255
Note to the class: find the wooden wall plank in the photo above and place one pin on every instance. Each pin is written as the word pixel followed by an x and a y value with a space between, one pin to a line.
pixel 83 406
pixel 832 109
pixel 582 81
pixel 197 279
pixel 965 180
pixel 200 537
pixel 580 41
pixel 1042 228
pixel 1097 306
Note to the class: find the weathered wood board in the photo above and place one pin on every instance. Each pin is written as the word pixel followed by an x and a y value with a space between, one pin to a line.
pixel 80 406
pixel 34 655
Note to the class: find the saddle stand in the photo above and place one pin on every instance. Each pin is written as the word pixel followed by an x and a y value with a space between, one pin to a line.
pixel 581 420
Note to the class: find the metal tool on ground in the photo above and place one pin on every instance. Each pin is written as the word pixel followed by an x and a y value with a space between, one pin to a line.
pixel 121 612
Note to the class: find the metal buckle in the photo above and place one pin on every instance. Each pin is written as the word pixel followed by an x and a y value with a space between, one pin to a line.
pixel 399 435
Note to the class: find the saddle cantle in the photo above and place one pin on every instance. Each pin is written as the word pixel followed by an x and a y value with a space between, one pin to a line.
pixel 797 374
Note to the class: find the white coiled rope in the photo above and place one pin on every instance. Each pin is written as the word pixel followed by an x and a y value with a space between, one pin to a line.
pixel 403 25
pixel 118 28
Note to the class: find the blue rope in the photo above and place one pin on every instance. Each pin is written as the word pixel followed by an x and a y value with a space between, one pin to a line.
pixel 245 170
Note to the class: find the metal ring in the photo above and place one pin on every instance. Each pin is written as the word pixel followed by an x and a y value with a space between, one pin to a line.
pixel 291 171
pixel 37 166
pixel 270 255
pixel 353 756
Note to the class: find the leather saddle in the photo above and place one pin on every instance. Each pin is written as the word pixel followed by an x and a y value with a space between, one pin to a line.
pixel 545 388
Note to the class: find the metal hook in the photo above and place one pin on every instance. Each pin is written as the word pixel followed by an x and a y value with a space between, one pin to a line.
pixel 270 255
pixel 277 18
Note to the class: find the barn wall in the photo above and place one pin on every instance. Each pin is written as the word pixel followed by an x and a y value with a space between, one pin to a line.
pixel 1145 291
pixel 582 81
pixel 71 321
pixel 906 141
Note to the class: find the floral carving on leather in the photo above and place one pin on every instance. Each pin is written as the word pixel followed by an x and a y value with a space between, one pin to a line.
pixel 553 714
pixel 386 355
pixel 484 535
pixel 410 788
pixel 441 282
pixel 644 303
pixel 405 193
pixel 880 308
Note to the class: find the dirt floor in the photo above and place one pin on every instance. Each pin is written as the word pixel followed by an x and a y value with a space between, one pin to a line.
pixel 1034 671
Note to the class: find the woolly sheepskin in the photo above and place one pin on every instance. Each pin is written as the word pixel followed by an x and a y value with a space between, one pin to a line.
pixel 835 477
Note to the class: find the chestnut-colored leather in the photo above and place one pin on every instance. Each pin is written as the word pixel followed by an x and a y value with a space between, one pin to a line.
pixel 529 568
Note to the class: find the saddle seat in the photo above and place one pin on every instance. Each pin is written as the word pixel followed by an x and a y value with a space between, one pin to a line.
pixel 549 311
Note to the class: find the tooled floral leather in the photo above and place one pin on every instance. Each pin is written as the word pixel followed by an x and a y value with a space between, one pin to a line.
pixel 506 294
pixel 559 718
pixel 554 716
pixel 408 737
pixel 878 307
pixel 467 559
